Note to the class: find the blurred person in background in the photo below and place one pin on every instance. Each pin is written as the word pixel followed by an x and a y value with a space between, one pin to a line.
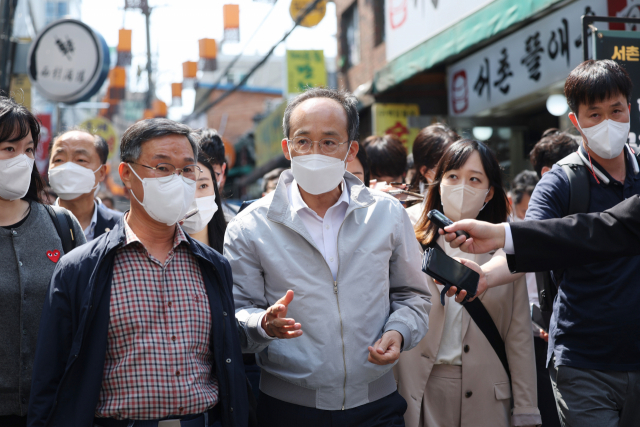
pixel 30 248
pixel 211 143
pixel 106 201
pixel 360 167
pixel 520 193
pixel 428 148
pixel 270 181
pixel 453 377
pixel 552 147
pixel 77 161
pixel 411 170
pixel 387 159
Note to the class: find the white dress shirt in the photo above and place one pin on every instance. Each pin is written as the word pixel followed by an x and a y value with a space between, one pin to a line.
pixel 508 240
pixel 323 231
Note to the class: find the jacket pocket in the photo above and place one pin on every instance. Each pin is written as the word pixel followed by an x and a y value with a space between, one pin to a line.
pixel 502 390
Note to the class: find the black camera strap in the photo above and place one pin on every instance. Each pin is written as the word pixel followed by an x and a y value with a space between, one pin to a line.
pixel 481 316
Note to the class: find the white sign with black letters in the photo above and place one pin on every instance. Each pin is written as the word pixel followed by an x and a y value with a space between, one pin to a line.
pixel 68 62
pixel 531 59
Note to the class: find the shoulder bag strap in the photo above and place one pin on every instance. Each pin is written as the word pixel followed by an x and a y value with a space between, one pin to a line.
pixel 483 319
pixel 62 221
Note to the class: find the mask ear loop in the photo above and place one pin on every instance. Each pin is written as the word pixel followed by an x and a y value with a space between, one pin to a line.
pixel 131 191
pixel 588 154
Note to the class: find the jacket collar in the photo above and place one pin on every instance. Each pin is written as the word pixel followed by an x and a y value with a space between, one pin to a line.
pixel 280 209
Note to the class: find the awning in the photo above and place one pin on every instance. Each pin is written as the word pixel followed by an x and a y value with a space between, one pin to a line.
pixel 486 23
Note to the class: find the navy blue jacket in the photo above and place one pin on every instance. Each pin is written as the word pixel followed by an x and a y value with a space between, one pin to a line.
pixel 72 340
pixel 106 220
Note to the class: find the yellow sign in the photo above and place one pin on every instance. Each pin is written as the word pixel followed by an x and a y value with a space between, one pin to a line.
pixel 625 53
pixel 268 136
pixel 305 68
pixel 393 119
pixel 314 17
pixel 20 90
pixel 103 127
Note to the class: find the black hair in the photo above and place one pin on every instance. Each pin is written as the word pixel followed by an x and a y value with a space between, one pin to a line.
pixel 553 146
pixel 102 148
pixel 16 121
pixel 270 176
pixel 364 161
pixel 387 156
pixel 211 144
pixel 456 155
pixel 596 80
pixel 428 148
pixel 145 130
pixel 523 183
pixel 217 225
pixel 344 98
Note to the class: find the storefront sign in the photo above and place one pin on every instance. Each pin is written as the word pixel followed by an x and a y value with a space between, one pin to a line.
pixel 104 128
pixel 539 55
pixel 21 90
pixel 42 152
pixel 268 136
pixel 393 119
pixel 305 68
pixel 410 22
pixel 313 18
pixel 68 62
pixel 624 48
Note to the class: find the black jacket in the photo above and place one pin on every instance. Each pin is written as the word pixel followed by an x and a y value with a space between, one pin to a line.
pixel 577 239
pixel 72 340
pixel 106 220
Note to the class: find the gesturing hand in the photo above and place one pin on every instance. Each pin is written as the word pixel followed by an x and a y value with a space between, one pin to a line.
pixel 485 237
pixel 274 322
pixel 387 349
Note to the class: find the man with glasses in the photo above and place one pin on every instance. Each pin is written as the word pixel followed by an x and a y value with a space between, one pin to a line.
pixel 136 329
pixel 327 281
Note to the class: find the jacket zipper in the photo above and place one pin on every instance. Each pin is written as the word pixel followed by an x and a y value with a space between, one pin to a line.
pixel 335 291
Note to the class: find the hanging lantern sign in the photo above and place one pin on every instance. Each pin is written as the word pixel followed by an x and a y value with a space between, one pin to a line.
pixel 159 108
pixel 176 94
pixel 189 73
pixel 208 51
pixel 117 83
pixel 231 18
pixel 124 48
pixel 147 114
pixel 68 61
pixel 314 17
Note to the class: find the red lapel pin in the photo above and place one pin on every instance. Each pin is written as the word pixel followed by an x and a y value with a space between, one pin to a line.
pixel 53 255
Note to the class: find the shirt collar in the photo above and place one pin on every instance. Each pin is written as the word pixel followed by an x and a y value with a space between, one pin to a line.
pixel 297 203
pixel 130 237
pixel 630 161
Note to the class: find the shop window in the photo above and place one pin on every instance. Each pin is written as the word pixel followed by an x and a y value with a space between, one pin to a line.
pixel 351 37
pixel 378 21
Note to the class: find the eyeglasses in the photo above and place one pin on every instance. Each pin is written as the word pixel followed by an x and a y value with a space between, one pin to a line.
pixel 303 145
pixel 164 171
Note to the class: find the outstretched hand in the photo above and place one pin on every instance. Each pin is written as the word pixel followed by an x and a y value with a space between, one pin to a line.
pixel 275 323
pixel 387 349
pixel 482 283
pixel 485 237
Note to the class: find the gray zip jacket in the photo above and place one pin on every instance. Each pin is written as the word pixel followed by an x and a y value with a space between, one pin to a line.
pixel 379 287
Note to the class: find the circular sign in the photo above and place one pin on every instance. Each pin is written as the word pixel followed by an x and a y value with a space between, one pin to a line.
pixel 314 17
pixel 68 61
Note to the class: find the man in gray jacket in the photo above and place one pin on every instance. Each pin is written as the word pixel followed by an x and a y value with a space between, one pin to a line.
pixel 342 262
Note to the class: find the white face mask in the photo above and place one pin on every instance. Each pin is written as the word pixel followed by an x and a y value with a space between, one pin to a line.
pixel 607 138
pixel 15 177
pixel 207 207
pixel 70 180
pixel 462 201
pixel 317 173
pixel 166 202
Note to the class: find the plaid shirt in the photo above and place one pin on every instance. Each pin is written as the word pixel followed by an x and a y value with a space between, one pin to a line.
pixel 158 361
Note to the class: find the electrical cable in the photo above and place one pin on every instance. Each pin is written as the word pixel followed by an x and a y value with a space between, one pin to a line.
pixel 216 101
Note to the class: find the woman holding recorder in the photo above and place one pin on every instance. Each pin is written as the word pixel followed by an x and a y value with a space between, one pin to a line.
pixel 454 377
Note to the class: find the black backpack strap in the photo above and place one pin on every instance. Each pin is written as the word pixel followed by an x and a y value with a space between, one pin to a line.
pixel 481 316
pixel 579 190
pixel 63 223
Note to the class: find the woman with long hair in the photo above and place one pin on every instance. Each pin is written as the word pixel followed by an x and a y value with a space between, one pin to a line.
pixel 30 247
pixel 454 377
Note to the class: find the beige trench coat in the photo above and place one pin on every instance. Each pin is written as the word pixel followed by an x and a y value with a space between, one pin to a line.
pixel 482 371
